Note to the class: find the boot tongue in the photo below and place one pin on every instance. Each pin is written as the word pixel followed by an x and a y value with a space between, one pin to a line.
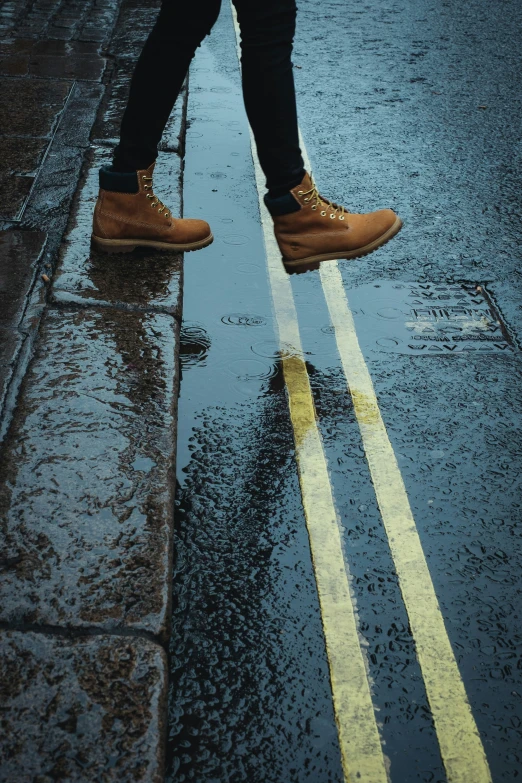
pixel 305 184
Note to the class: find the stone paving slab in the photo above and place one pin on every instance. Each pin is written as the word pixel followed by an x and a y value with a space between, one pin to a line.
pixel 81 710
pixel 51 58
pixel 143 279
pixel 49 205
pixel 10 344
pixel 86 477
pixel 30 107
pixel 75 125
pixel 28 114
pixel 20 252
pixel 19 162
pixel 10 341
pixel 87 68
pixel 134 23
pixel 83 20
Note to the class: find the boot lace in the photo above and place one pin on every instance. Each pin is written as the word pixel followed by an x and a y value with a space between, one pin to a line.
pixel 154 200
pixel 336 211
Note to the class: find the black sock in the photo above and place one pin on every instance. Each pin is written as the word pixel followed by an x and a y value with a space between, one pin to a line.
pixel 121 167
pixel 282 190
pixel 282 205
pixel 277 192
pixel 118 181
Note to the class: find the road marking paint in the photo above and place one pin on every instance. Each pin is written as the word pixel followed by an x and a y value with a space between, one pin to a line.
pixel 460 744
pixel 459 739
pixel 360 745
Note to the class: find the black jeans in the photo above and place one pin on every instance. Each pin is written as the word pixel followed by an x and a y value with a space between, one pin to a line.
pixel 267 32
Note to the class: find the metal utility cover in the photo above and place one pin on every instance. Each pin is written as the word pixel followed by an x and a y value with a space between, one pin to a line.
pixel 426 319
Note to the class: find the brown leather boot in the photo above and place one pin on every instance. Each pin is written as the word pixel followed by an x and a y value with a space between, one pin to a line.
pixel 310 228
pixel 125 218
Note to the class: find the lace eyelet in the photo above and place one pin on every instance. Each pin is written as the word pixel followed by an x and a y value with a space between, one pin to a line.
pixel 341 217
pixel 306 200
pixel 300 192
pixel 323 214
pixel 332 216
pixel 314 206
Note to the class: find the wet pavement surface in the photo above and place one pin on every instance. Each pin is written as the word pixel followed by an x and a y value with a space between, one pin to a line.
pixel 247 653
pixel 97 702
pixel 403 108
pixel 88 409
pixel 86 490
pixel 410 105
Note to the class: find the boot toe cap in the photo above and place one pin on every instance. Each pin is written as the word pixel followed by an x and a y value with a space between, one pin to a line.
pixel 374 225
pixel 384 219
pixel 197 229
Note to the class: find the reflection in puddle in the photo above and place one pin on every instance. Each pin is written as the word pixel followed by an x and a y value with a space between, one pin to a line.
pixel 194 345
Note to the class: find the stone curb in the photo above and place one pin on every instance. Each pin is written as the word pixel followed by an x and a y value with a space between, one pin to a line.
pixel 86 478
pixel 82 709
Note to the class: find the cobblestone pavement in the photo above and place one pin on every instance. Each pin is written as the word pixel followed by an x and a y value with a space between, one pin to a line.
pixel 88 399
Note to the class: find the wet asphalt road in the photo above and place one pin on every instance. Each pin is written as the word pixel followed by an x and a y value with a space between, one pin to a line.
pixel 413 105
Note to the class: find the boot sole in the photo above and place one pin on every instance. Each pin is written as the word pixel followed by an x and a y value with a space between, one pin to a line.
pixel 358 253
pixel 128 245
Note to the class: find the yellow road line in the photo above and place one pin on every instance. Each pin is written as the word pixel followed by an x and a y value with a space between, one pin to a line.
pixel 361 750
pixel 460 744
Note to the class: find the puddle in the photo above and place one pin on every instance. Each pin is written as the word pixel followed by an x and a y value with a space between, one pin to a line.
pixel 194 345
pixel 248 665
pixel 237 319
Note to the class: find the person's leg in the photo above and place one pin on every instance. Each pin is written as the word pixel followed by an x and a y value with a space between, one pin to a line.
pixel 158 77
pixel 267 33
pixel 127 213
pixel 308 228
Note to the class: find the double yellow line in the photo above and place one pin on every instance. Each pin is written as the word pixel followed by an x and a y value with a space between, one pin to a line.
pixel 361 750
pixel 460 744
